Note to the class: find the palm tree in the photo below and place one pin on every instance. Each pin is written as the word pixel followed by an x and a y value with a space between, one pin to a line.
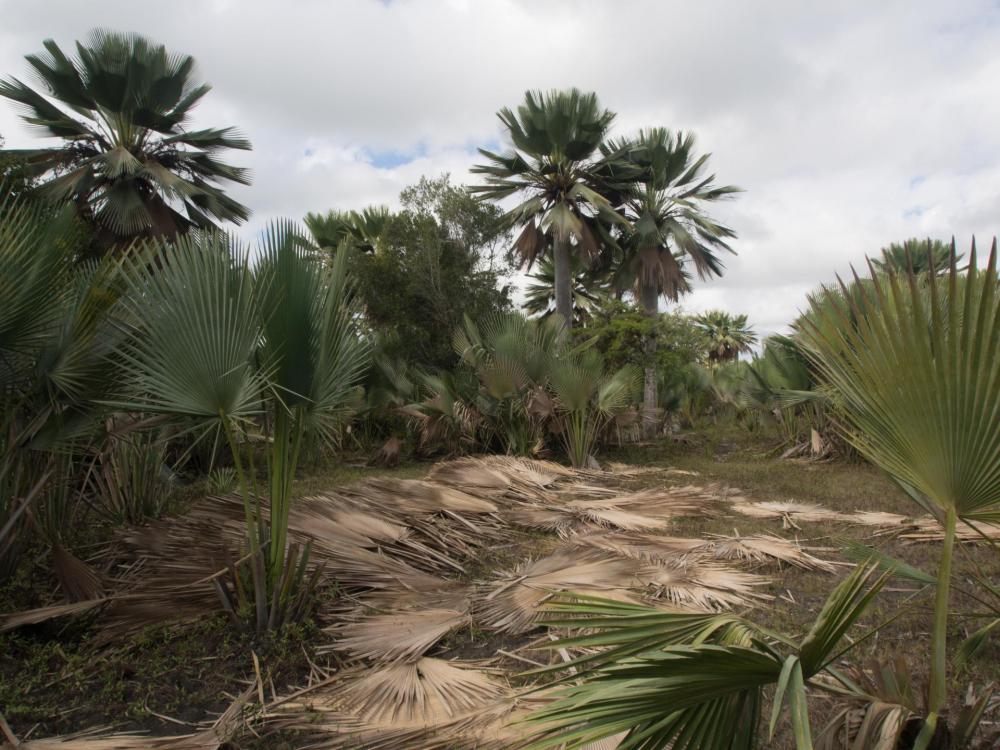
pixel 589 290
pixel 556 166
pixel 128 162
pixel 669 227
pixel 921 255
pixel 364 230
pixel 728 335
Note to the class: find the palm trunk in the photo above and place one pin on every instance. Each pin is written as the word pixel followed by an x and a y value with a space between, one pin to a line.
pixel 650 307
pixel 937 699
pixel 563 282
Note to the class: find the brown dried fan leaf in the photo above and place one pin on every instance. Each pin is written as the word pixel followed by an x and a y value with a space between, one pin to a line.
pixel 701 585
pixel 511 605
pixel 928 529
pixel 878 518
pixel 639 546
pixel 761 548
pixel 790 513
pixel 406 634
pixel 41 614
pixel 573 519
pixel 426 692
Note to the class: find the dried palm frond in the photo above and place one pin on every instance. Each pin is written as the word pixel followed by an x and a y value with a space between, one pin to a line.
pixel 77 579
pixel 422 693
pixel 665 502
pixel 638 546
pixel 13 620
pixel 487 727
pixel 700 585
pixel 928 529
pixel 511 605
pixel 472 473
pixel 877 518
pixel 406 634
pixel 577 518
pixel 791 513
pixel 761 549
pixel 409 497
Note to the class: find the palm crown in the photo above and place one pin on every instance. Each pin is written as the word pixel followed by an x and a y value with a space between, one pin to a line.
pixel 921 255
pixel 128 161
pixel 729 335
pixel 363 229
pixel 666 215
pixel 558 168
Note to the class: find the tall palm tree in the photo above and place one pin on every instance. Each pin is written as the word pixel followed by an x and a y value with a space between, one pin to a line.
pixel 556 166
pixel 589 290
pixel 363 229
pixel 728 335
pixel 127 161
pixel 921 255
pixel 669 227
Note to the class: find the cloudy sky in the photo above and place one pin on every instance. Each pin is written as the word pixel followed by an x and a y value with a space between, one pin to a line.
pixel 848 124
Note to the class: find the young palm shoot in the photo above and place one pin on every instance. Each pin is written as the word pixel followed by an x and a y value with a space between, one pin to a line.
pixel 227 350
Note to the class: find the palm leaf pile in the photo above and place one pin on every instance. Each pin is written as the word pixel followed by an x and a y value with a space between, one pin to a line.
pixel 399 552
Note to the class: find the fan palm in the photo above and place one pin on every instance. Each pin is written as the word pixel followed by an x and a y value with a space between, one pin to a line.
pixel 128 161
pixel 219 346
pixel 728 335
pixel 556 166
pixel 915 369
pixel 589 290
pixel 587 398
pixel 666 211
pixel 920 255
pixel 57 337
pixel 363 229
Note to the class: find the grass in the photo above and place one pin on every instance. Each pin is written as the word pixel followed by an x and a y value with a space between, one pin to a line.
pixel 52 680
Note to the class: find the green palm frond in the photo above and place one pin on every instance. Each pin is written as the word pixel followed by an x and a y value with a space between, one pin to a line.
pixel 683 680
pixel 915 369
pixel 197 328
pixel 912 364
pixel 920 255
pixel 122 105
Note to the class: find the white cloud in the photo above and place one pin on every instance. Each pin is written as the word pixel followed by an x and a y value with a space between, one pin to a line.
pixel 849 124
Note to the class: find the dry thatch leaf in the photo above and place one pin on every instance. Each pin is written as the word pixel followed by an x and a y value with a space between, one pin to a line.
pixel 423 693
pixel 34 616
pixel 577 518
pixel 928 529
pixel 701 585
pixel 403 635
pixel 760 549
pixel 877 518
pixel 511 605
pixel 77 579
pixel 791 513
pixel 639 546
pixel 486 727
